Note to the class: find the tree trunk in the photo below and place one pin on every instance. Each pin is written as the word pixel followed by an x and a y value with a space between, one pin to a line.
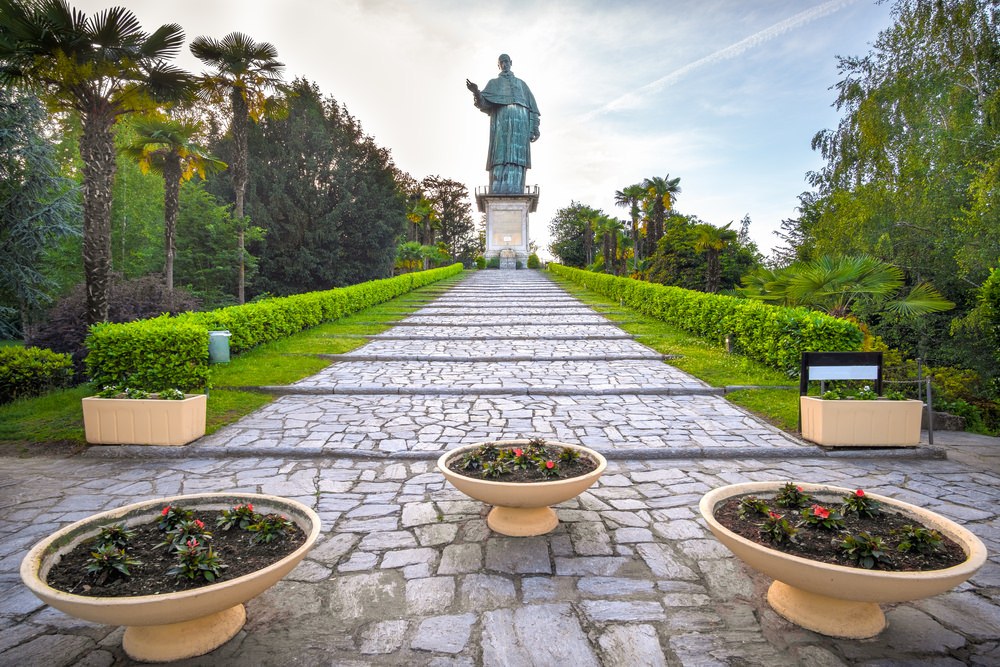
pixel 240 128
pixel 171 204
pixel 97 151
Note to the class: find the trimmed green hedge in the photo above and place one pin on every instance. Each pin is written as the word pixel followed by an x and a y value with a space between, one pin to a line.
pixel 168 351
pixel 32 371
pixel 773 335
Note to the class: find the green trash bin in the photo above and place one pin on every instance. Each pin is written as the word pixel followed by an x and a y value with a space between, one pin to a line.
pixel 218 347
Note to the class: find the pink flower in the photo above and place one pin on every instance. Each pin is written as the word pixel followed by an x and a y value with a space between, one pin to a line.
pixel 518 452
pixel 799 489
pixel 550 465
pixel 166 510
pixel 199 523
pixel 859 493
pixel 192 543
pixel 249 507
pixel 821 512
pixel 774 515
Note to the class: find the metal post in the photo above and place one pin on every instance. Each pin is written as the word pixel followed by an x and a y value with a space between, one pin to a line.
pixel 930 414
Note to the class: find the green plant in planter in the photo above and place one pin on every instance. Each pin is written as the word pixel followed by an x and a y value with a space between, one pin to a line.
pixel 865 550
pixel 822 517
pixel 862 504
pixel 753 506
pixel 791 495
pixel 195 560
pixel 117 536
pixel 107 561
pixel 778 529
pixel 919 539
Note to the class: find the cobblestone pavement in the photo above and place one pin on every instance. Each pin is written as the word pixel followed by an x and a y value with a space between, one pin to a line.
pixel 407 573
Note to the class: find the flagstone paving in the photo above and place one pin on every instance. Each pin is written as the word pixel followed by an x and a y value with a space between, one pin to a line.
pixel 406 571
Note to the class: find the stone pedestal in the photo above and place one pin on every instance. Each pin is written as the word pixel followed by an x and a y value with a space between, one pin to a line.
pixel 507 224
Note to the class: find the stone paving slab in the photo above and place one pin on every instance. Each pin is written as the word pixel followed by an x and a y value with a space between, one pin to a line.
pixel 407 573
pixel 480 349
pixel 508 331
pixel 390 424
pixel 625 377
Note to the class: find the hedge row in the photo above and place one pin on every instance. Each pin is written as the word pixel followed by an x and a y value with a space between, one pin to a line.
pixel 773 335
pixel 32 371
pixel 166 352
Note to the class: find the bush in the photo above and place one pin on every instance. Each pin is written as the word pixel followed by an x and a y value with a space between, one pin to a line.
pixel 534 262
pixel 32 371
pixel 65 327
pixel 173 351
pixel 480 262
pixel 493 263
pixel 772 335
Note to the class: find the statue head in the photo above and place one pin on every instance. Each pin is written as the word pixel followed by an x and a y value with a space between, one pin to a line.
pixel 504 62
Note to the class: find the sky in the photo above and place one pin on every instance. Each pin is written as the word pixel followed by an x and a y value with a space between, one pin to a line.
pixel 725 94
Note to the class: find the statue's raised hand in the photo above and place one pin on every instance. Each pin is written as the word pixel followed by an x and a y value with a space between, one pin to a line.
pixel 473 87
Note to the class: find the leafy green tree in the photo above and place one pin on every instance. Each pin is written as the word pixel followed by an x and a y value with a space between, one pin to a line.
pixel 244 73
pixel 711 241
pixel 455 227
pixel 661 193
pixel 572 234
pixel 326 195
pixel 630 197
pixel 101 68
pixel 164 146
pixel 37 207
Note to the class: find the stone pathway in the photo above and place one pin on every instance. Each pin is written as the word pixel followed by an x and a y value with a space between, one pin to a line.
pixel 407 573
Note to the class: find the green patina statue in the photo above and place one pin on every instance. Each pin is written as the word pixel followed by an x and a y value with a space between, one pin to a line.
pixel 513 126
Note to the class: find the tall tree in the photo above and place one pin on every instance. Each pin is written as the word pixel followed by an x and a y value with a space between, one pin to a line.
pixel 711 241
pixel 661 193
pixel 245 72
pixel 572 234
pixel 456 227
pixel 37 207
pixel 630 197
pixel 101 68
pixel 164 146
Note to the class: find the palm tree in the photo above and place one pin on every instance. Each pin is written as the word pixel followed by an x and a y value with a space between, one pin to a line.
pixel 101 68
pixel 834 284
pixel 660 196
pixel 245 71
pixel 608 230
pixel 712 240
pixel 420 211
pixel 631 196
pixel 164 146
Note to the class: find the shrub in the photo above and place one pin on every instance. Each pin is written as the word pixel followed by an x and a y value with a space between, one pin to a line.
pixel 31 371
pixel 169 351
pixel 534 262
pixel 65 326
pixel 493 263
pixel 480 262
pixel 772 335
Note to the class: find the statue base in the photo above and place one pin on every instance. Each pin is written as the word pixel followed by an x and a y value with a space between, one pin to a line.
pixel 507 224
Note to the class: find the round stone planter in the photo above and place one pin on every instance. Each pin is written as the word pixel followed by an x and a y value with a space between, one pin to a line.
pixel 835 600
pixel 521 509
pixel 168 626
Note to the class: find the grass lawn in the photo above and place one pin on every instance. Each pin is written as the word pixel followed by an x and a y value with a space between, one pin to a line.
pixel 704 360
pixel 57 418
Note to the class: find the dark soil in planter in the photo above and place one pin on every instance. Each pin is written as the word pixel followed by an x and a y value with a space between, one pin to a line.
pixel 234 547
pixel 565 469
pixel 821 545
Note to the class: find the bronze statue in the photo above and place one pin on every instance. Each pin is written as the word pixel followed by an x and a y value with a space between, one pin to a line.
pixel 513 126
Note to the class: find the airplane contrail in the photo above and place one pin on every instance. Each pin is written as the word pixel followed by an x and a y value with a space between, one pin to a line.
pixel 634 98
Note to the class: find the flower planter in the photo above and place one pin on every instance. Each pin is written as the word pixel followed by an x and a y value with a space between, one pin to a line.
pixel 858 423
pixel 521 509
pixel 168 626
pixel 144 421
pixel 836 600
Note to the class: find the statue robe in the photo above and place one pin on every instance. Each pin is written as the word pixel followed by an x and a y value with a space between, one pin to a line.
pixel 514 119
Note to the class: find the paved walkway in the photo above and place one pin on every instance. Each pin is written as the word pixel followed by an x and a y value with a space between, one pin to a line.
pixel 407 573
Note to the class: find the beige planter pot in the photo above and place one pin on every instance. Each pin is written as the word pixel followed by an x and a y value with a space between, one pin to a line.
pixel 169 626
pixel 522 509
pixel 144 421
pixel 847 423
pixel 836 600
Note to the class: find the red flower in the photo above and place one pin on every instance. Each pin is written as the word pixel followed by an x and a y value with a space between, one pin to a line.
pixel 799 489
pixel 859 493
pixel 192 543
pixel 166 510
pixel 249 507
pixel 199 523
pixel 774 515
pixel 821 512
pixel 518 452
pixel 550 465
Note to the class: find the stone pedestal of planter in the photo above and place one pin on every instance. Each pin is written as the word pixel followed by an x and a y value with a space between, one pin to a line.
pixel 144 421
pixel 856 423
